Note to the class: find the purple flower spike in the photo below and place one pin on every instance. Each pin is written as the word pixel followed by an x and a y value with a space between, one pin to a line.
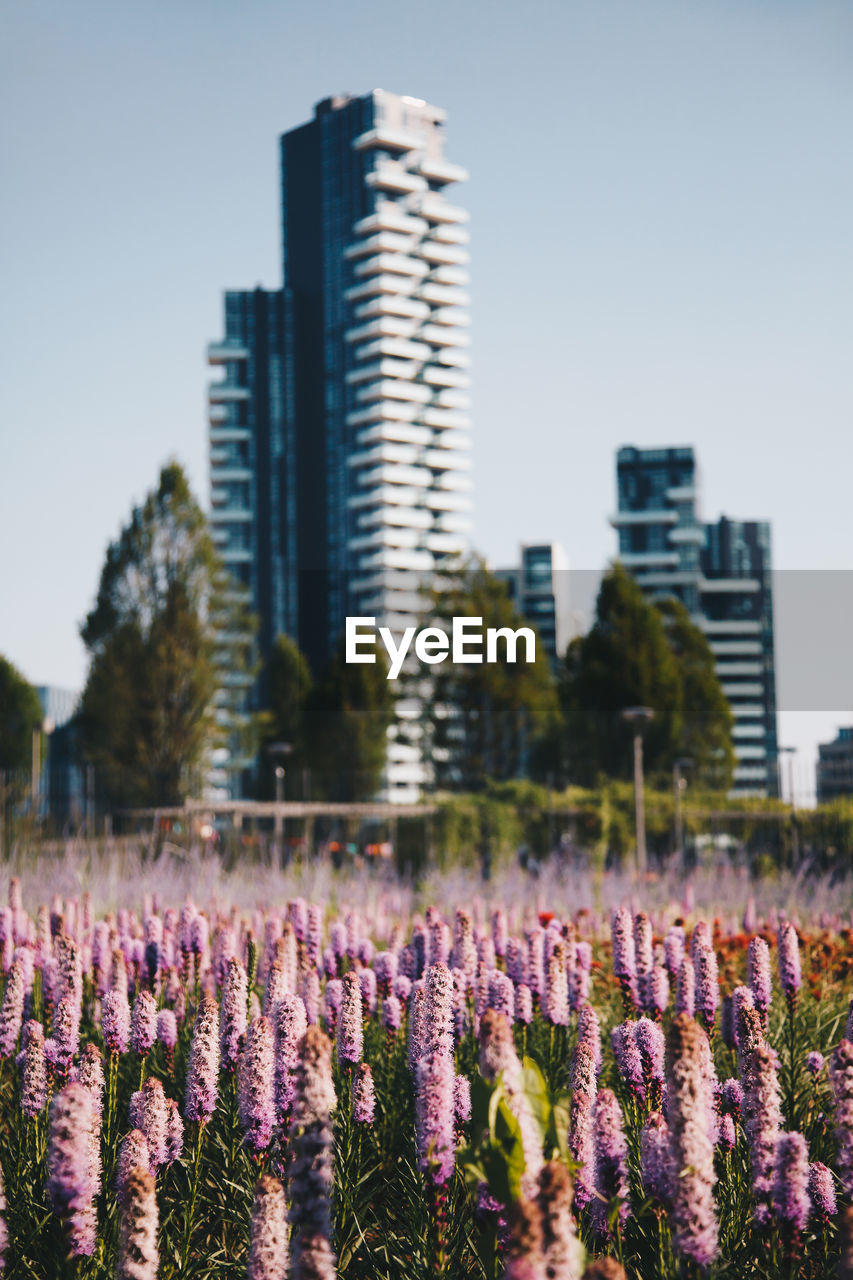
pixel 610 1162
pixel 628 1059
pixel 434 1114
pixel 624 958
pixel 34 1073
pixel 73 1165
pixel 758 974
pixel 438 1010
pixel 268 1233
pixel 115 1021
pixel 727 1135
pixel 689 1102
pixel 350 1031
pixel 143 1023
pixel 657 991
pixel 762 1113
pixel 149 1113
pixel 791 1182
pixel 290 1026
pixel 363 1095
pixel 790 974
pixel 12 1010
pixel 814 1063
pixel 233 1014
pixel 392 1014
pixel 133 1154
pixel 822 1192
pixel 256 1086
pixel 841 1079
pixel 655 1158
pixel 311 1165
pixel 167 1029
pixel 138 1257
pixel 462 1099
pixel 203 1073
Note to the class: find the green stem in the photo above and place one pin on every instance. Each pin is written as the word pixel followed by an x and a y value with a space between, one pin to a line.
pixel 191 1207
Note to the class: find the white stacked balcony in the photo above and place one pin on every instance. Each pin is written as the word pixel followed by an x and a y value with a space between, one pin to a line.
pixel 393 389
pixel 404 432
pixel 389 175
pixel 383 369
pixel 382 327
pixel 396 517
pixel 396 474
pixel 444 255
pixel 399 348
pixel 383 453
pixel 446 418
pixel 382 410
pixel 437 169
pixel 386 138
pixel 226 352
pixel 395 304
pixel 391 263
pixel 438 376
pixel 441 336
pixel 444 294
pixel 447 543
pixel 446 274
pixel 390 217
pixel 225 393
pixel 435 208
pixel 447 460
pixel 381 284
pixel 381 242
pixel 452 399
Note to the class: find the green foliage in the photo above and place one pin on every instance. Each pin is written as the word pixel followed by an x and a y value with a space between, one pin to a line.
pixel 20 714
pixel 346 718
pixel 487 717
pixel 288 685
pixel 166 634
pixel 638 654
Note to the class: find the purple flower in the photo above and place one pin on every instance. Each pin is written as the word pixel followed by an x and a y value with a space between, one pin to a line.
pixel 233 1014
pixel 175 1132
pixel 555 1003
pixel 561 1251
pixel 149 1112
pixel 655 1158
pixel 731 1099
pixel 624 956
pixel 502 994
pixel 814 1063
pixel 707 984
pixel 610 1162
pixel 643 959
pixel 34 1071
pixel 437 1027
pixel 363 1094
pixel 822 1192
pixel 841 1079
pixel 464 954
pixel 523 1004
pixel 115 1021
pixel 515 960
pixel 758 974
pixel 650 1042
pixel 133 1154
pixel 689 1102
pixel 499 931
pixel 790 975
pixel 62 1046
pixel 762 1114
pixel 290 1026
pixel 628 1059
pixel 673 950
pixel 143 1023
pixel 791 1182
pixel 657 991
pixel 91 1074
pixel 311 1166
pixel 332 998
pixel 434 1114
pixel 589 1032
pixel 167 1029
pixel 742 998
pixel 392 1014
pixel 268 1233
pixel 727 1133
pixel 462 1099
pixel 12 1010
pixel 138 1258
pixel 203 1072
pixel 73 1165
pixel 385 968
pixel 350 1031
pixel 256 1085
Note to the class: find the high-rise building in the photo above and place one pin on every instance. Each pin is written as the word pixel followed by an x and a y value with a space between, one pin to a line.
pixel 835 767
pixel 339 443
pixel 539 589
pixel 722 574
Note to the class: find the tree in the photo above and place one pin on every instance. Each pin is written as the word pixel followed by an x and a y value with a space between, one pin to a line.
pixel 624 660
pixel 486 718
pixel 20 714
pixel 169 650
pixel 642 654
pixel 707 720
pixel 288 684
pixel 346 718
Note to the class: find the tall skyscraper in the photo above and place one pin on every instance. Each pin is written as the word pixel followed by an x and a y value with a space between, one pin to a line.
pixel 539 589
pixel 722 574
pixel 339 443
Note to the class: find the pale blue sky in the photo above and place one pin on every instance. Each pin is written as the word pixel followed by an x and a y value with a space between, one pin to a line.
pixel 661 200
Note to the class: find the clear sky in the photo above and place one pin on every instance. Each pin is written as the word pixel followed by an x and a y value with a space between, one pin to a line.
pixel 661 199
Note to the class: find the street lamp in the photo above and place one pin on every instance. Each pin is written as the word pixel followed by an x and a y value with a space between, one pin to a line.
pixel 640 718
pixel 679 785
pixel 790 752
pixel 279 751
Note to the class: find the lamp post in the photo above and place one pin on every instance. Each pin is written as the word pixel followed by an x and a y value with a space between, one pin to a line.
pixel 640 718
pixel 279 751
pixel 790 752
pixel 679 785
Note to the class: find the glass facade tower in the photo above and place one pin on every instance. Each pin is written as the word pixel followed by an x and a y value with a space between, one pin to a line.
pixel 339 431
pixel 722 574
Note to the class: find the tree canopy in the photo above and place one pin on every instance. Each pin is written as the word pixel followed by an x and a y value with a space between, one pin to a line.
pixel 346 716
pixel 486 718
pixel 20 714
pixel 641 654
pixel 168 646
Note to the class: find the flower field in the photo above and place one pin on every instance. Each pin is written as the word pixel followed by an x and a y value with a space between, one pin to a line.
pixel 368 1085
